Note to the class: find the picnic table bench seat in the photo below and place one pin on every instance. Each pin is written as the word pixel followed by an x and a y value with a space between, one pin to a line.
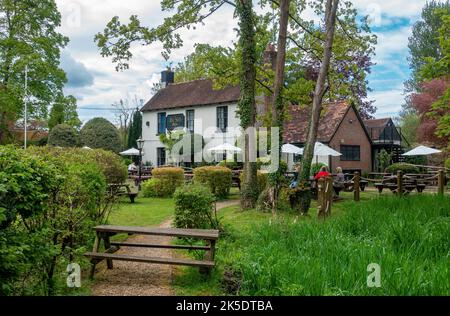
pixel 104 232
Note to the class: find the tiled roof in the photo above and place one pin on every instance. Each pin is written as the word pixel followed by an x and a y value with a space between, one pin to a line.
pixel 192 93
pixel 296 127
pixel 376 127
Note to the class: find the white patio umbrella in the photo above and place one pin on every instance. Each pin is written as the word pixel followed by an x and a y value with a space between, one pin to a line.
pixel 291 149
pixel 130 152
pixel 225 148
pixel 422 151
pixel 323 150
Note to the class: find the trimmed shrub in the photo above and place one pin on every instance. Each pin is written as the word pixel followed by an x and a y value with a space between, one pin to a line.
pixel 406 168
pixel 101 133
pixel 151 188
pixel 63 136
pixel 169 180
pixel 217 179
pixel 194 207
pixel 231 164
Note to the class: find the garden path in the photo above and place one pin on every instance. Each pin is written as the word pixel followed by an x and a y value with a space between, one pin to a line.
pixel 137 279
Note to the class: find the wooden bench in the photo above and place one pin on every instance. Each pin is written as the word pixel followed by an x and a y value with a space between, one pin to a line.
pixel 104 232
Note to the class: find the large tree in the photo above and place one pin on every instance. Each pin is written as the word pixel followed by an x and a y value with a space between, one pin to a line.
pixel 135 130
pixel 64 111
pixel 321 87
pixel 431 101
pixel 424 41
pixel 29 38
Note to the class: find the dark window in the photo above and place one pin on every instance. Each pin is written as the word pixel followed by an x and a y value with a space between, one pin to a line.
pixel 175 122
pixel 222 118
pixel 190 117
pixel 161 156
pixel 350 153
pixel 161 123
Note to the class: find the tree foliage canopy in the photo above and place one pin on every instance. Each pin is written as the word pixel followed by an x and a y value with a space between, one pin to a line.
pixel 350 66
pixel 29 37
pixel 63 135
pixel 101 133
pixel 64 111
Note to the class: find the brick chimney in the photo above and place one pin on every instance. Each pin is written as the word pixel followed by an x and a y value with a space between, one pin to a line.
pixel 167 77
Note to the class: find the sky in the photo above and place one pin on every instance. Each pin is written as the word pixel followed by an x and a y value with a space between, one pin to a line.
pixel 94 81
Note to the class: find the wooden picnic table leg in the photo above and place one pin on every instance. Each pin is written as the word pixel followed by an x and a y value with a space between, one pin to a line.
pixel 94 250
pixel 209 255
pixel 107 242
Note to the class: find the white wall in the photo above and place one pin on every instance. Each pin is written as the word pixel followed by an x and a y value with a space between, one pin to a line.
pixel 205 124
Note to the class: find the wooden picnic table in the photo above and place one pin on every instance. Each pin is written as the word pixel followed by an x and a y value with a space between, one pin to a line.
pixel 104 232
pixel 117 189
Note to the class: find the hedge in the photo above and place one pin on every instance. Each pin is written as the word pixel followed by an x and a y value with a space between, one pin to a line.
pixel 217 179
pixel 101 133
pixel 404 167
pixel 49 201
pixel 194 207
pixel 110 164
pixel 63 135
pixel 169 180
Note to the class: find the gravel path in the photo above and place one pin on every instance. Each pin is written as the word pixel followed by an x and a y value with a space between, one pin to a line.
pixel 141 279
pixel 134 278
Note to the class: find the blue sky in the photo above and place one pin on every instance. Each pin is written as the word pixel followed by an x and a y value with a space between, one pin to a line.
pixel 96 84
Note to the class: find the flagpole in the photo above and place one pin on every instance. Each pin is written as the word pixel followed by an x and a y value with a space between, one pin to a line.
pixel 26 108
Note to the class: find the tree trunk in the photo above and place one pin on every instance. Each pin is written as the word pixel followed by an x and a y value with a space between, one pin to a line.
pixel 278 105
pixel 330 20
pixel 247 103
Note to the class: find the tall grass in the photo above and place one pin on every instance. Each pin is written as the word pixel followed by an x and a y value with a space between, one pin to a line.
pixel 408 237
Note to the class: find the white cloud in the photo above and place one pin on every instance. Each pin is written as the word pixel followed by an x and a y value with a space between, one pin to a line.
pixel 389 103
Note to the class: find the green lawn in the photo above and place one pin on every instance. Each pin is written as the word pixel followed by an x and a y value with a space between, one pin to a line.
pixel 145 212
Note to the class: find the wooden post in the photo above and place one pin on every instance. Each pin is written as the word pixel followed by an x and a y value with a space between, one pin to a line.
pixel 441 182
pixel 356 187
pixel 329 195
pixel 209 255
pixel 321 197
pixel 400 183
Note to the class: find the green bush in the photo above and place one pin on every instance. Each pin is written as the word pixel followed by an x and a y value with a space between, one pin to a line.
pixel 194 208
pixel 111 165
pixel 169 180
pixel 101 133
pixel 49 202
pixel 217 179
pixel 406 168
pixel 63 136
pixel 447 163
pixel 151 188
